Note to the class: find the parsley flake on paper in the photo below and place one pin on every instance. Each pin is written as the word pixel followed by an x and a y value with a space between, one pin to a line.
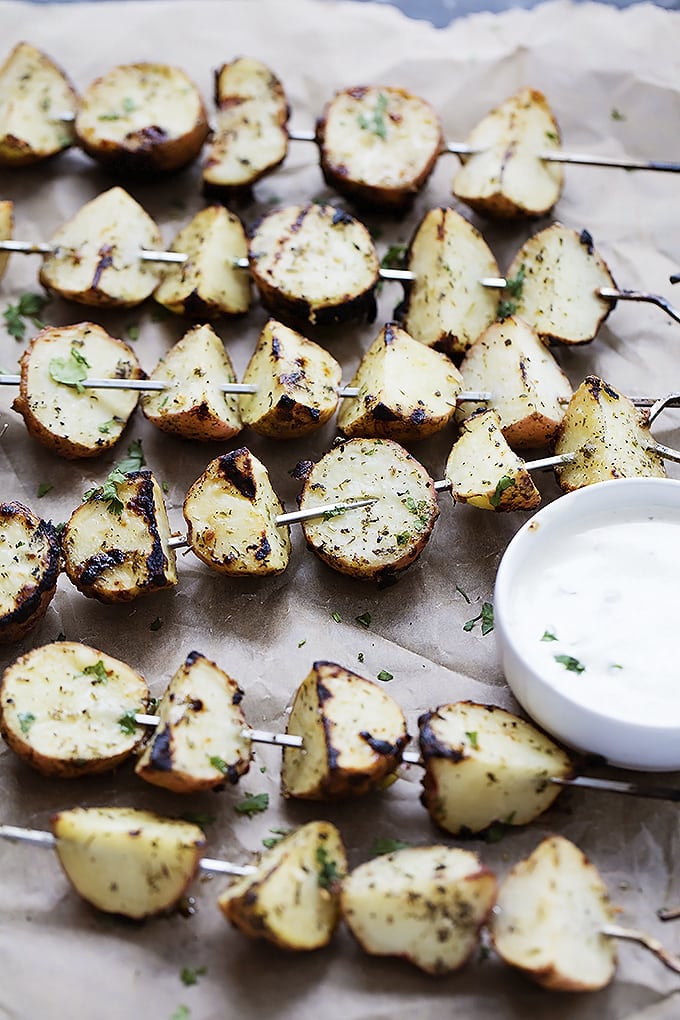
pixel 384 845
pixel 485 618
pixel 252 804
pixel 385 675
pixel 190 975
pixel 29 306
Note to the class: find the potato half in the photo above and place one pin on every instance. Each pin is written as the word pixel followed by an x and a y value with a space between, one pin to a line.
pixel 231 513
pixel 96 257
pixel 67 709
pixel 377 541
pixel 485 765
pixel 506 177
pixel 29 568
pixel 142 119
pixel 198 743
pixel 406 391
pixel 378 145
pixel 116 545
pixel 249 138
pixel 314 263
pixel 550 916
pixel 66 417
pixel 424 904
pixel 125 861
pixel 353 736
pixel 292 899
pixel 36 98
pixel 446 306
pixel 608 435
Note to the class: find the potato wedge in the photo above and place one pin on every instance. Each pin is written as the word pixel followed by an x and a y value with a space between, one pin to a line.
pixel 29 569
pixel 142 120
pixel 484 765
pixel 609 436
pixel 198 743
pixel 529 389
pixel 446 306
pixel 35 97
pixel 378 145
pixel 551 910
pixel 506 178
pixel 126 861
pixel 116 545
pixel 194 404
pixel 314 263
pixel 231 515
pixel 249 138
pixel 208 284
pixel 377 541
pixel 67 418
pixel 6 232
pixel 561 275
pixel 68 709
pixel 297 384
pixel 96 254
pixel 292 899
pixel 424 904
pixel 406 391
pixel 353 734
pixel 485 472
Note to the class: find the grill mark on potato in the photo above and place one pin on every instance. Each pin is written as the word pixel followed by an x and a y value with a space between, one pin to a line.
pixel 161 751
pixel 431 746
pixel 383 747
pixel 235 467
pixel 144 504
pixel 97 565
pixel 105 262
pixel 46 548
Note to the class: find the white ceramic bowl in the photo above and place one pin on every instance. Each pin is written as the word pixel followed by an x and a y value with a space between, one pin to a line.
pixel 609 684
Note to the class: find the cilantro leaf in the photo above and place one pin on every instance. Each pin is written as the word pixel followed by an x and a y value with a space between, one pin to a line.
pixel 29 306
pixel 99 671
pixel 127 722
pixel 485 618
pixel 252 804
pixel 71 371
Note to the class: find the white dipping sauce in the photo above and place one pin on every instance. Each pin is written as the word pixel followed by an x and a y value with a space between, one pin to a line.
pixel 604 596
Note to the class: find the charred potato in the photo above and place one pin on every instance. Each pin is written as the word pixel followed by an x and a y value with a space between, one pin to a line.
pixel 484 765
pixel 292 899
pixel 406 390
pixel 29 569
pixel 66 709
pixel 231 513
pixel 35 97
pixel 353 736
pixel 142 119
pixel 551 912
pixel 297 384
pixel 198 742
pixel 66 417
pixel 378 145
pixel 116 545
pixel 125 861
pixel 194 404
pixel 424 904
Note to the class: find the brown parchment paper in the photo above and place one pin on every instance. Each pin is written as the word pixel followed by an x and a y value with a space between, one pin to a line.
pixel 60 959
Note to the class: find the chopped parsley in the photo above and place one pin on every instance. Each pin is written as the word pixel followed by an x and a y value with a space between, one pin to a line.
pixel 496 831
pixel 472 738
pixel 190 975
pixel 134 460
pixel 29 306
pixel 218 763
pixel 26 720
pixel 303 641
pixel 156 624
pixel 44 488
pixel 105 426
pixel 419 508
pixel 182 1012
pixel 252 804
pixel 127 722
pixel 71 371
pixel 513 287
pixel 506 482
pixel 133 331
pixel 394 257
pixel 570 663
pixel 385 675
pixel 336 617
pixel 552 136
pixel 275 839
pixel 384 845
pixel 330 514
pixel 108 492
pixel 364 620
pixel 376 123
pixel 328 869
pixel 617 115
pixel 98 670
pixel 198 818
pixel 549 636
pixel 485 618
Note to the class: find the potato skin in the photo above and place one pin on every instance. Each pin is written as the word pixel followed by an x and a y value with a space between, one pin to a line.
pixel 32 600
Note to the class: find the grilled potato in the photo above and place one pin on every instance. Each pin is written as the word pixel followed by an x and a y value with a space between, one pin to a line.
pixel 68 709
pixel 66 417
pixel 314 263
pixel 484 471
pixel 377 541
pixel 208 284
pixel 125 861
pixel 198 742
pixel 561 275
pixel 115 545
pixel 424 904
pixel 529 389
pixel 6 232
pixel 142 119
pixel 406 390
pixel 250 138
pixel 378 145
pixel 292 899
pixel 231 515
pixel 353 735
pixel 194 404
pixel 297 384
pixel 506 178
pixel 29 569
pixel 446 306
pixel 35 98
pixel 484 765
pixel 96 258
pixel 550 916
